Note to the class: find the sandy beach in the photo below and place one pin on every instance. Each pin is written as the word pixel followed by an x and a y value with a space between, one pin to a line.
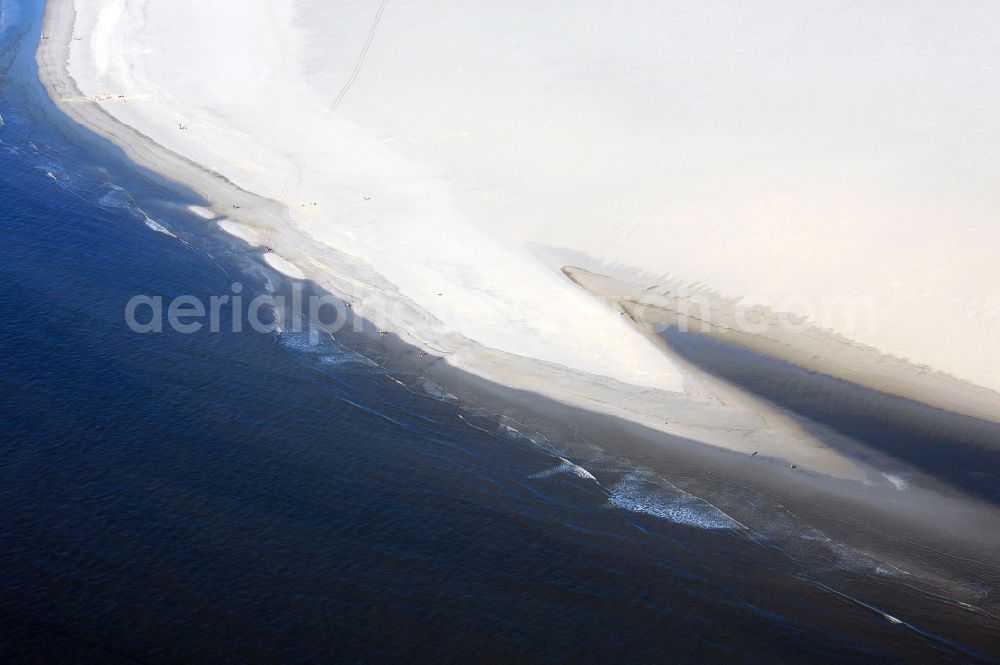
pixel 666 331
pixel 446 201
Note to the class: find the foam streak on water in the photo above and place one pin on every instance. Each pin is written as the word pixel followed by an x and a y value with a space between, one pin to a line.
pixel 666 501
pixel 566 467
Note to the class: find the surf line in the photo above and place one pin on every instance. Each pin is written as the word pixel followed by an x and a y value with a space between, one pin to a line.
pixel 935 640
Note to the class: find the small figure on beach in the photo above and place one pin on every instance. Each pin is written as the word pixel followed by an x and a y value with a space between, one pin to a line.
pixel 422 353
pixel 382 333
pixel 267 248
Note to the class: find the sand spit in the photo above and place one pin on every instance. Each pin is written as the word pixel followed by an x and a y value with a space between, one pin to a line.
pixel 419 226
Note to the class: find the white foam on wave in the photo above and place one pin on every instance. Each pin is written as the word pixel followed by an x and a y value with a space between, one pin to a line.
pixel 118 198
pixel 435 391
pixel 508 430
pixel 805 543
pixel 565 467
pixel 51 169
pixel 339 359
pixel 885 615
pixel 9 15
pixel 897 481
pixel 854 560
pixel 159 228
pixel 328 353
pixel 668 502
pixel 202 212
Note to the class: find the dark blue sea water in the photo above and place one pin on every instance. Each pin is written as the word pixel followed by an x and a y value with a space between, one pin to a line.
pixel 247 498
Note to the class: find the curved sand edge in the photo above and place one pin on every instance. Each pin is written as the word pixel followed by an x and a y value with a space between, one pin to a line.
pixel 708 412
pixel 805 345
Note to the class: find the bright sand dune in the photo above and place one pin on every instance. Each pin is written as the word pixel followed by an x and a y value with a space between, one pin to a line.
pixel 796 153
pixel 235 75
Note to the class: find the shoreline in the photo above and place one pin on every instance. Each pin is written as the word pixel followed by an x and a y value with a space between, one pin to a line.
pixel 924 517
pixel 914 553
pixel 709 411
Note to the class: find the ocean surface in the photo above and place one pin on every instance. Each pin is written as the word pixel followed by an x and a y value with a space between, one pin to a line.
pixel 249 498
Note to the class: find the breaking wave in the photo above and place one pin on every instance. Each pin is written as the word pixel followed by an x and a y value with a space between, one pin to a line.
pixel 565 467
pixel 665 501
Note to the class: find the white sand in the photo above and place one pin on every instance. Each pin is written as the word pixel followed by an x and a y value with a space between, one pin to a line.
pixel 202 212
pixel 231 74
pixel 241 231
pixel 283 265
pixel 797 153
